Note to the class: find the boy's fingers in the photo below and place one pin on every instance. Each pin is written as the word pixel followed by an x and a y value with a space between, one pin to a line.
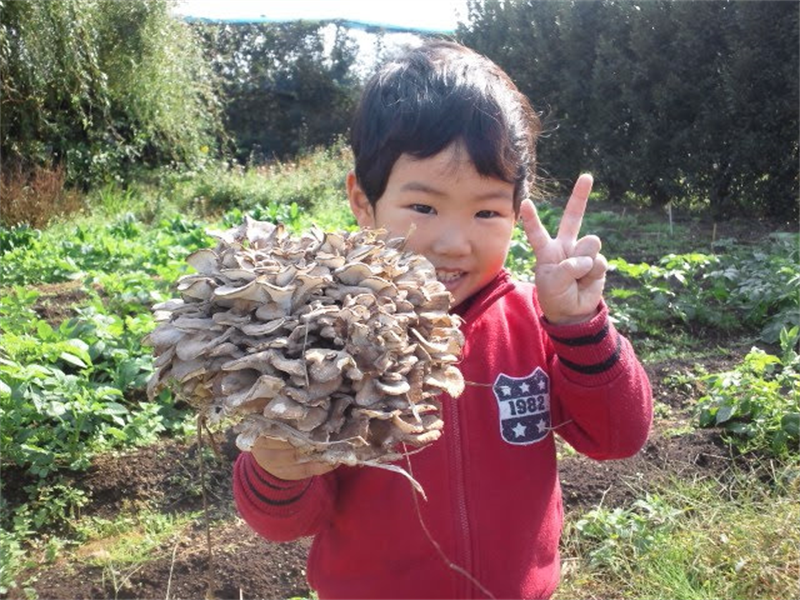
pixel 577 267
pixel 587 246
pixel 287 463
pixel 598 270
pixel 576 206
pixel 315 468
pixel 270 443
pixel 535 231
pixel 302 470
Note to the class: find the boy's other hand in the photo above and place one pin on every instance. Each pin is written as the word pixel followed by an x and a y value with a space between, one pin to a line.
pixel 281 459
pixel 570 272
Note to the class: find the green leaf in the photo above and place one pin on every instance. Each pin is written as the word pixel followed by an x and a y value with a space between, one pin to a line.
pixel 706 417
pixel 739 428
pixel 44 331
pixel 778 443
pixel 115 408
pixel 724 413
pixel 117 433
pixel 72 359
pixel 790 423
pixel 56 409
pixel 107 391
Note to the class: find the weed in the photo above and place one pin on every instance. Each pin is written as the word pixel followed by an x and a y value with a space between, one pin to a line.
pixel 123 545
pixel 756 403
pixel 707 538
pixel 314 178
pixel 617 536
pixel 34 197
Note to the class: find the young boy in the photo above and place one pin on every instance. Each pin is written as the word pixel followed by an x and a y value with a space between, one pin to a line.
pixel 444 149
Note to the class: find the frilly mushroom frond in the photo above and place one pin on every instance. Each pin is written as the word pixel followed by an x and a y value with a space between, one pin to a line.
pixel 340 343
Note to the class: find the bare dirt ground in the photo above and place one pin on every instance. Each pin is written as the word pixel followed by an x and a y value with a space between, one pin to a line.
pixel 166 478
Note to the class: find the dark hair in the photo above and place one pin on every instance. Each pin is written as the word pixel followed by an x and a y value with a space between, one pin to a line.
pixel 436 94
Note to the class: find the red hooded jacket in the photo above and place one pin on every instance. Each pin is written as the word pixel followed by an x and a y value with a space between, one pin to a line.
pixel 493 496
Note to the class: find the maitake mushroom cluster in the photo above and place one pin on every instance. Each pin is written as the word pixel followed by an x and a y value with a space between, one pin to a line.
pixel 338 343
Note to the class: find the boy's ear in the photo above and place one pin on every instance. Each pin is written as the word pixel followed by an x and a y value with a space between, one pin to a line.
pixel 359 203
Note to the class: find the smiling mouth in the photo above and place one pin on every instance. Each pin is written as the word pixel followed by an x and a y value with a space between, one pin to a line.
pixel 449 276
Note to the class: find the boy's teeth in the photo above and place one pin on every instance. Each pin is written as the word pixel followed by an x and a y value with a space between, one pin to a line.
pixel 448 275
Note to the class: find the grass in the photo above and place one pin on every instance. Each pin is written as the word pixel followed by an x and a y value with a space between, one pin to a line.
pixel 733 536
pixel 316 177
pixel 128 539
pixel 123 545
pixel 120 546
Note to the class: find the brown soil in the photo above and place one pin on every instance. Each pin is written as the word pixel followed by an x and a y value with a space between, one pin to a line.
pixel 244 566
pixel 57 301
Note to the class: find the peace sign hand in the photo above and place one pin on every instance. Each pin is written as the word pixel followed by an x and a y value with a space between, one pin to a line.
pixel 570 272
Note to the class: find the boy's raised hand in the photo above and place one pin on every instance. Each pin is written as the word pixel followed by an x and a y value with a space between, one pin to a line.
pixel 570 272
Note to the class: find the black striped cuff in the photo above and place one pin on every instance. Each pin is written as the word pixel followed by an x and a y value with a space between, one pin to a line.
pixel 592 348
pixel 595 368
pixel 270 492
pixel 584 340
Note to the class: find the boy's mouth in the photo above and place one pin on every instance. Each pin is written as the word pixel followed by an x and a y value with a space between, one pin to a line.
pixel 447 276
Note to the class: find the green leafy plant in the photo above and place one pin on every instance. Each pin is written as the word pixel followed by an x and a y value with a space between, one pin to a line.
pixel 757 403
pixel 18 236
pixel 743 288
pixel 612 537
pixel 275 212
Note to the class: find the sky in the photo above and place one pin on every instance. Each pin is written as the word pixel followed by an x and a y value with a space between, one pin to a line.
pixel 426 15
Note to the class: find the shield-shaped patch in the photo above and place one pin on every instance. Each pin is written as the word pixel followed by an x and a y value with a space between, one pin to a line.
pixel 524 404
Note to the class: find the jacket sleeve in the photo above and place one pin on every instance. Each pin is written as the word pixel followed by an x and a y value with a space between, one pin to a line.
pixel 602 401
pixel 281 510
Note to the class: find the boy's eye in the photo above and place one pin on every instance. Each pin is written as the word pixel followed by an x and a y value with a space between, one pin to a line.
pixel 423 209
pixel 487 214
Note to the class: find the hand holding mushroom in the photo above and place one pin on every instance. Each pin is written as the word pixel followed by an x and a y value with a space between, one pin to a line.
pixel 283 460
pixel 570 272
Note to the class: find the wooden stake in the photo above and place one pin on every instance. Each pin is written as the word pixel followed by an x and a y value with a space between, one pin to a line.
pixel 669 210
pixel 210 595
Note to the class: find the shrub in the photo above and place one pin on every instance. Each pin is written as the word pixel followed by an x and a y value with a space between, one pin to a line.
pixel 100 86
pixel 314 178
pixel 33 197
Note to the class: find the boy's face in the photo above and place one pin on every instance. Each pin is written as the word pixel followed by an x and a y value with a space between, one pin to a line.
pixel 460 221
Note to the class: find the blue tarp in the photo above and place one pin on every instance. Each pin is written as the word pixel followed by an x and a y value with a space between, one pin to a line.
pixel 366 26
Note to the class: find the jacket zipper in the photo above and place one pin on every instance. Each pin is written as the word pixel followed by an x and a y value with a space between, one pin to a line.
pixel 465 560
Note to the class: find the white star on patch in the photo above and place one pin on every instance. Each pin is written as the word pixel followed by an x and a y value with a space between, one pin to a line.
pixel 542 385
pixel 506 390
pixel 541 426
pixel 519 430
pixel 525 388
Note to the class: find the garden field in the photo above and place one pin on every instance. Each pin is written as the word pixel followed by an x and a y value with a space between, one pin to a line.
pixel 106 494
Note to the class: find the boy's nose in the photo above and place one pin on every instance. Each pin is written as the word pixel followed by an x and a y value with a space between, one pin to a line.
pixel 451 240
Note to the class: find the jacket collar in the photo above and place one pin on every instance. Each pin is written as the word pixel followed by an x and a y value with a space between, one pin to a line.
pixel 471 308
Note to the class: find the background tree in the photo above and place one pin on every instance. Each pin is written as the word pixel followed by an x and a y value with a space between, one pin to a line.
pixel 99 86
pixel 693 103
pixel 283 91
